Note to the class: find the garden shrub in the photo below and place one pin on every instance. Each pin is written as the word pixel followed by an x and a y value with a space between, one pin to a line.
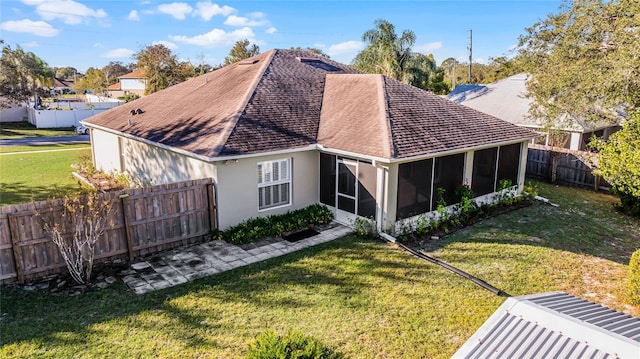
pixel 257 228
pixel 269 345
pixel 365 227
pixel 633 282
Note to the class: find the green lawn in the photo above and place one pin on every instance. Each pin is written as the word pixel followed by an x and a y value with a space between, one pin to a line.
pixel 25 129
pixel 29 176
pixel 366 298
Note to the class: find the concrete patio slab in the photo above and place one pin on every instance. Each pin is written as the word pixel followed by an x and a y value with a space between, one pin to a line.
pixel 179 266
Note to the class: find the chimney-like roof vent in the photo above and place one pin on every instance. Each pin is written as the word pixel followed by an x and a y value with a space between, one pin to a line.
pixel 248 62
pixel 308 59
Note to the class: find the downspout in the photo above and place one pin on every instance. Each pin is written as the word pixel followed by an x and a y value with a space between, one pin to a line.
pixel 446 266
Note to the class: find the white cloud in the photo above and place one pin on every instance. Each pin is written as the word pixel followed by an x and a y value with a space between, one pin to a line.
pixel 31 44
pixel 69 11
pixel 217 37
pixel 271 30
pixel 480 60
pixel 206 10
pixel 254 19
pixel 345 48
pixel 38 28
pixel 133 15
pixel 168 44
pixel 178 10
pixel 97 44
pixel 428 47
pixel 118 53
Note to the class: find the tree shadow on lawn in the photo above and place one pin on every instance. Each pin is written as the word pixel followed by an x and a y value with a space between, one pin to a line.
pixel 41 317
pixel 20 192
pixel 560 228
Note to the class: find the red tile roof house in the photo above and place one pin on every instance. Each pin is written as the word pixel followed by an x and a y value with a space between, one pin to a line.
pixel 286 129
pixel 133 82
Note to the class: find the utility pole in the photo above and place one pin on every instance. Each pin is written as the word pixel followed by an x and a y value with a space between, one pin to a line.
pixel 453 81
pixel 470 52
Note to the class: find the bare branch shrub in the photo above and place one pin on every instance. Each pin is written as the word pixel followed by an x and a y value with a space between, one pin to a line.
pixel 75 227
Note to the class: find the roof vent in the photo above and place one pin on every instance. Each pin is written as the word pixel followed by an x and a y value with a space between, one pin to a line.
pixel 132 112
pixel 139 111
pixel 308 59
pixel 248 62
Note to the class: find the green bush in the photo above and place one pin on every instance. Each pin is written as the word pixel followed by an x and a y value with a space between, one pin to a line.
pixel 257 228
pixel 269 345
pixel 633 282
pixel 365 227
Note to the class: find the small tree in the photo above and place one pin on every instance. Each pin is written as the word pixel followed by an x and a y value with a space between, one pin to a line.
pixel 633 282
pixel 241 50
pixel 75 229
pixel 619 163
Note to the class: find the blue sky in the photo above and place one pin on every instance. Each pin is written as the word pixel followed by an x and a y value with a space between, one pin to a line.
pixel 87 33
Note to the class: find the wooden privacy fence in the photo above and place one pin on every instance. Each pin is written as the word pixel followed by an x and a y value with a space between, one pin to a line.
pixel 142 221
pixel 564 166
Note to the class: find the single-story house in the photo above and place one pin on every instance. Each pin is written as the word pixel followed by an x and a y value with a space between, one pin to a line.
pixel 554 325
pixel 62 86
pixel 286 129
pixel 133 82
pixel 507 99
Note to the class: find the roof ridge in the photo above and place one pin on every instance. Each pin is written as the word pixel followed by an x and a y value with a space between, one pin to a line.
pixel 383 102
pixel 231 124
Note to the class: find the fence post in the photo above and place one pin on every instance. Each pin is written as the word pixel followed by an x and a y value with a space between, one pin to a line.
pixel 17 253
pixel 211 204
pixel 127 230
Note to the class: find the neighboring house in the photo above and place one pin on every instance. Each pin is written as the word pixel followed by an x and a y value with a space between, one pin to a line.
pixel 506 99
pixel 554 325
pixel 133 82
pixel 286 129
pixel 62 86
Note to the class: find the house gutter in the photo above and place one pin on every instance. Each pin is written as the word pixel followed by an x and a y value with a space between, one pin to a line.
pixel 311 147
pixel 460 150
pixel 479 282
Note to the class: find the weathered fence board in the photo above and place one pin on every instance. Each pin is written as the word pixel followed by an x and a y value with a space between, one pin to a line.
pixel 559 165
pixel 142 221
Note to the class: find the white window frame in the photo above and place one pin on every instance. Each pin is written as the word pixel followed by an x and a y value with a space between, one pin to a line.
pixel 265 176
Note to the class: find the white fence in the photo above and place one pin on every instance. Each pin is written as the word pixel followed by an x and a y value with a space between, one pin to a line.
pixel 60 118
pixel 13 114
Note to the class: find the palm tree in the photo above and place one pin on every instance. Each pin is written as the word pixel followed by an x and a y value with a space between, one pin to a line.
pixel 386 52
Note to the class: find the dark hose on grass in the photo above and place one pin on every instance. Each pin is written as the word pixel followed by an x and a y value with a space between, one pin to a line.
pixel 451 268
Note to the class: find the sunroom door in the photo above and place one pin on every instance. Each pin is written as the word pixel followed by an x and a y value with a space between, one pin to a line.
pixel 346 190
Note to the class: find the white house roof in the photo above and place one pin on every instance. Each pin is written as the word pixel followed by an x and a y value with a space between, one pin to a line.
pixel 507 100
pixel 554 325
pixel 504 99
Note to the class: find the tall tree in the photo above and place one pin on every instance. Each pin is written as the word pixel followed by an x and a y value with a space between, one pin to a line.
pixel 162 68
pixel 386 52
pixel 113 70
pixel 241 50
pixel 93 80
pixel 66 73
pixel 313 50
pixel 584 60
pixel 23 74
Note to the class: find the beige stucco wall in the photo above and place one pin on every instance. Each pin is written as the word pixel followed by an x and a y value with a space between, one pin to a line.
pixel 106 151
pixel 154 165
pixel 237 190
pixel 149 164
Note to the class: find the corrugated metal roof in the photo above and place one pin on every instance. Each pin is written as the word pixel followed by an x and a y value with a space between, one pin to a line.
pixel 554 325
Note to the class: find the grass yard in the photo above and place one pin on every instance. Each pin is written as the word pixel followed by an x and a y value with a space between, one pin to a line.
pixel 25 129
pixel 366 298
pixel 29 176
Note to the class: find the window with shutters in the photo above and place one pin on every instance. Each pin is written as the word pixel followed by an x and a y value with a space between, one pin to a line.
pixel 274 183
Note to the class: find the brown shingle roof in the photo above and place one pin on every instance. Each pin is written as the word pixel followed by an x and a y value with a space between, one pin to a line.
pixel 285 99
pixel 137 74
